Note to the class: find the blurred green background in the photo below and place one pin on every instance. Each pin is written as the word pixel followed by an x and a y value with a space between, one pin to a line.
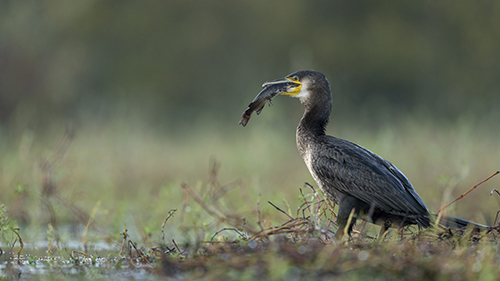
pixel 152 90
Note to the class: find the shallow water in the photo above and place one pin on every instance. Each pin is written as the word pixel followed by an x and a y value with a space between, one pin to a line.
pixel 101 262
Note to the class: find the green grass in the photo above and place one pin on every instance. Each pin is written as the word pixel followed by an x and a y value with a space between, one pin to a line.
pixel 76 193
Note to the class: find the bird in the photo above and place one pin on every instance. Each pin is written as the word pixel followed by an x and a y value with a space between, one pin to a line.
pixel 361 183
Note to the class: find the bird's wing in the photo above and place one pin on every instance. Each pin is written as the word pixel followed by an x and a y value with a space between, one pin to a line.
pixel 360 173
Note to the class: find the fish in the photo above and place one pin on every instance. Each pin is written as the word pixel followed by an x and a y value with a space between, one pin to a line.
pixel 266 95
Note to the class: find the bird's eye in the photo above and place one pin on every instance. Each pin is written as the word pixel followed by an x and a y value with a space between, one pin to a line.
pixel 295 78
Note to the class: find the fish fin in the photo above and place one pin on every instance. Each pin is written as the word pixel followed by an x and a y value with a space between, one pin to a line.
pixel 260 109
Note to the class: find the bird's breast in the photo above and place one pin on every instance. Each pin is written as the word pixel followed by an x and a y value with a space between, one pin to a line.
pixel 308 158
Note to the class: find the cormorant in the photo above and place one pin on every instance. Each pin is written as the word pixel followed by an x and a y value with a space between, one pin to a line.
pixel 350 175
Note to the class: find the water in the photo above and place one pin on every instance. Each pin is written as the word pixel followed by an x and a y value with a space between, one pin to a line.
pixel 69 262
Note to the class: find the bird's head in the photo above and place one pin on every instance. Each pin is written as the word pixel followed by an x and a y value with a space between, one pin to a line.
pixel 310 87
pixel 299 84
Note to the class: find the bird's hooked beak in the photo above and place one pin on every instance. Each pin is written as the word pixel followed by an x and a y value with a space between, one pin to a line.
pixel 289 86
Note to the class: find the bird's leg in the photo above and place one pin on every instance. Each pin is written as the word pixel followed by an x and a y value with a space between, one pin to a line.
pixel 347 214
pixel 342 222
pixel 383 229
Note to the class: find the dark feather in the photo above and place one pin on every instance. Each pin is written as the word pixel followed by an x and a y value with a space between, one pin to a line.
pixel 358 172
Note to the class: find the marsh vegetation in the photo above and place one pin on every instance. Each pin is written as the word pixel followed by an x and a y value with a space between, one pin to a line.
pixel 121 157
pixel 106 203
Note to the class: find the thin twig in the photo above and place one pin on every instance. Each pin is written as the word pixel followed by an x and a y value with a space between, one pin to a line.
pixel 277 208
pixel 496 217
pixel 330 203
pixel 277 230
pixel 200 201
pixel 323 212
pixel 177 247
pixel 138 251
pixel 305 201
pixel 316 216
pixel 468 191
pixel 170 214
pixel 330 221
pixel 81 253
pixel 314 190
pixel 259 215
pixel 16 231
pixel 125 235
pixel 224 229
pixel 220 242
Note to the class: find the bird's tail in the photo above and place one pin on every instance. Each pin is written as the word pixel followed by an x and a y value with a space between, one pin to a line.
pixel 458 223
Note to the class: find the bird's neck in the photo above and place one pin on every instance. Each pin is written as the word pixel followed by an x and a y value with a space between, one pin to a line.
pixel 312 125
pixel 314 122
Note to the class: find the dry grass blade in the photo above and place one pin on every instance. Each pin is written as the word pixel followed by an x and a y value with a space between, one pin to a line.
pixel 260 216
pixel 91 219
pixel 215 211
pixel 202 203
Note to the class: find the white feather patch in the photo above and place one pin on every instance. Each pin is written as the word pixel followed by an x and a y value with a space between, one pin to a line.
pixel 309 164
pixel 304 90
